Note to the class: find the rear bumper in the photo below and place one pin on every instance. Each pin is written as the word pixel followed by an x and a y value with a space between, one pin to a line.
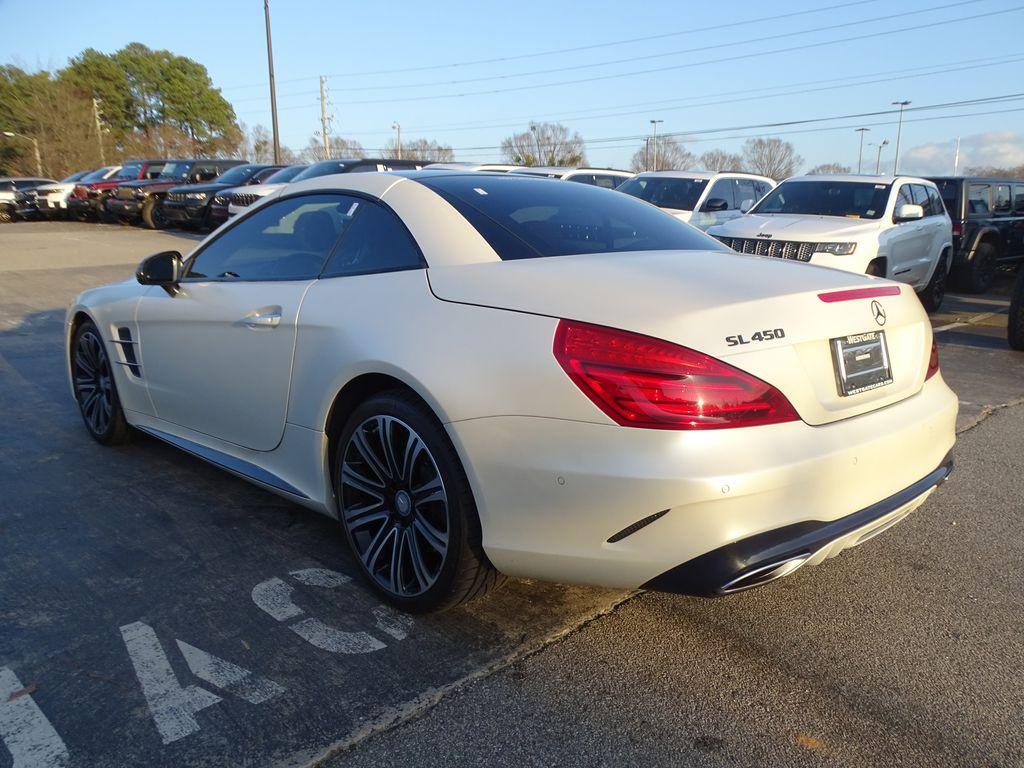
pixel 555 497
pixel 763 557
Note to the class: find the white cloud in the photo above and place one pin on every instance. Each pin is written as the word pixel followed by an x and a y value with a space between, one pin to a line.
pixel 1000 149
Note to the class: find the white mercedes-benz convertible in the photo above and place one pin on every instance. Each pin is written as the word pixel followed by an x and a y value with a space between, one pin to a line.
pixel 483 374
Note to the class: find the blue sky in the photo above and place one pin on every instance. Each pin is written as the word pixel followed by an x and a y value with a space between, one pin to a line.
pixel 754 69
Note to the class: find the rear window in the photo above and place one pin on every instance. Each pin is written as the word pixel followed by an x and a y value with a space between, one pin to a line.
pixel 526 218
pixel 681 194
pixel 949 189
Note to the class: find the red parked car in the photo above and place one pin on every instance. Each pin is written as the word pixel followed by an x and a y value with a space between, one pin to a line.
pixel 87 199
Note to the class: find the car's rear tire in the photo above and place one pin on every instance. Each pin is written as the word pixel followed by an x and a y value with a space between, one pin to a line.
pixel 1015 327
pixel 95 388
pixel 153 214
pixel 979 273
pixel 407 508
pixel 933 294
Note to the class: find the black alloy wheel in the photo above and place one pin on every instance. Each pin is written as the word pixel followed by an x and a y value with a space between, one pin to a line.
pixel 407 509
pixel 95 390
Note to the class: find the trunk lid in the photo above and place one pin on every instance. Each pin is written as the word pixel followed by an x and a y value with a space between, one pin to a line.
pixel 721 304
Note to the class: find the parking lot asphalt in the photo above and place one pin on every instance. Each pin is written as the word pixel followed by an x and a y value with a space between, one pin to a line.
pixel 154 610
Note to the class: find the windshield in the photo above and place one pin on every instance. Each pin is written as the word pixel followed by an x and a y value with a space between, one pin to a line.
pixel 95 175
pixel 681 194
pixel 237 175
pixel 175 171
pixel 323 168
pixel 851 199
pixel 524 218
pixel 285 174
pixel 74 177
pixel 129 171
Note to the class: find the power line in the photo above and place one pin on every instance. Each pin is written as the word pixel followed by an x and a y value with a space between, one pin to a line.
pixel 760 93
pixel 704 62
pixel 645 57
pixel 575 49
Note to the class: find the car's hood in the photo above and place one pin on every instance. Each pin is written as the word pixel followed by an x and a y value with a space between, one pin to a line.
pixel 261 189
pixel 719 303
pixel 207 186
pixel 812 228
pixel 679 213
pixel 63 187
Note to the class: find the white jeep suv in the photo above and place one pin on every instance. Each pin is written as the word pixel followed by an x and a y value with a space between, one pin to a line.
pixel 894 227
pixel 700 198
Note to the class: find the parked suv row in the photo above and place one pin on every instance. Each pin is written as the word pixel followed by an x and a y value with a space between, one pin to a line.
pixel 988 226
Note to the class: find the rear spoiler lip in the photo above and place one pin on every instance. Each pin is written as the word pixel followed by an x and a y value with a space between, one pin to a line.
pixel 853 294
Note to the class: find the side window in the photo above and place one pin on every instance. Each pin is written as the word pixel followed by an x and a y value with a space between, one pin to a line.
pixel 1001 200
pixel 903 197
pixel 977 198
pixel 583 178
pixel 762 189
pixel 1018 198
pixel 375 242
pixel 284 240
pixel 746 191
pixel 920 193
pixel 607 181
pixel 260 176
pixel 722 190
pixel 938 207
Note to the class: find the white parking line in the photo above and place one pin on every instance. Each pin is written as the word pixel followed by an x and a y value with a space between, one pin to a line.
pixel 972 321
pixel 24 729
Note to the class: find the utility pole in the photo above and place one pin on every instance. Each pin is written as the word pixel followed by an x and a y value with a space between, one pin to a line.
pixel 647 153
pixel 654 141
pixel 956 157
pixel 860 154
pixel 273 87
pixel 99 128
pixel 323 119
pixel 35 148
pixel 398 127
pixel 899 130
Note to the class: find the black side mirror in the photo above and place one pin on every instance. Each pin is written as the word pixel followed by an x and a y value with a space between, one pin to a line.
pixel 163 269
pixel 715 204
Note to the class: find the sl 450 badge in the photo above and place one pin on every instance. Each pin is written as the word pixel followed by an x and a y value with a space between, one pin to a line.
pixel 765 335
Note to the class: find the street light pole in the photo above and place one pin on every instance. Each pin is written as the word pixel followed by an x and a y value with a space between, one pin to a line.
pixel 654 141
pixel 35 148
pixel 956 157
pixel 397 126
pixel 273 87
pixel 860 154
pixel 899 130
pixel 878 160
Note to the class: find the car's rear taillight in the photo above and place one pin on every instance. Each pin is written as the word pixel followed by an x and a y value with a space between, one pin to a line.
pixel 640 381
pixel 958 229
pixel 933 361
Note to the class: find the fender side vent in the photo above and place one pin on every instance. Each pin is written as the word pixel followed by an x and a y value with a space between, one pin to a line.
pixel 131 360
pixel 631 529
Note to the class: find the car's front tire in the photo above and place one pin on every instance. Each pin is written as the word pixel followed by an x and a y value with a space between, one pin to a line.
pixel 95 389
pixel 406 507
pixel 933 294
pixel 153 214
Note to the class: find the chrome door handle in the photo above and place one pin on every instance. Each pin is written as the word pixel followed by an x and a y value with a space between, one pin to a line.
pixel 263 319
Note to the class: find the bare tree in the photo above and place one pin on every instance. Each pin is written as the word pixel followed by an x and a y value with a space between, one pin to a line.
pixel 670 156
pixel 830 168
pixel 544 144
pixel 718 160
pixel 996 172
pixel 771 157
pixel 341 149
pixel 420 149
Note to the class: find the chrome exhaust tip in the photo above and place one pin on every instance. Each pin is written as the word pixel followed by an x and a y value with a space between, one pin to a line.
pixel 764 574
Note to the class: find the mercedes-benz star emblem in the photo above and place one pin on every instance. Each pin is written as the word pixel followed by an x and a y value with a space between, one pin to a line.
pixel 878 312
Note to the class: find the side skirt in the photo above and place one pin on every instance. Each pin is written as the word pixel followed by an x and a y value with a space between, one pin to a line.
pixel 244 469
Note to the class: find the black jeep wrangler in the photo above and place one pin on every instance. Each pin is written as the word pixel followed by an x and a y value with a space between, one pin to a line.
pixel 988 226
